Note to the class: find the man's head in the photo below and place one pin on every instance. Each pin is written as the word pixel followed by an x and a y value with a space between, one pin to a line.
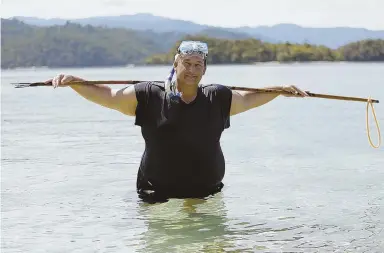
pixel 191 62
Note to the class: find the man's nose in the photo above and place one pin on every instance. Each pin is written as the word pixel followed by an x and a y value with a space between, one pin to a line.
pixel 192 68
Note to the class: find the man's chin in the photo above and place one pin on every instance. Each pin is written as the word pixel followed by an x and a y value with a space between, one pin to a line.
pixel 191 81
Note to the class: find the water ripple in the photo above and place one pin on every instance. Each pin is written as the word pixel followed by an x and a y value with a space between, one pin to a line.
pixel 298 178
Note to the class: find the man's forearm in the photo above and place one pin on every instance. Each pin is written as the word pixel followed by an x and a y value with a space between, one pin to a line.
pixel 245 100
pixel 99 94
pixel 255 99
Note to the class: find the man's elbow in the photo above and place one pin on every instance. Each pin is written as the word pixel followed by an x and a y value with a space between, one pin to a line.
pixel 246 101
pixel 239 108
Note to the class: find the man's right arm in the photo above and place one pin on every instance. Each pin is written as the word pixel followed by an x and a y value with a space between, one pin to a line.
pixel 122 100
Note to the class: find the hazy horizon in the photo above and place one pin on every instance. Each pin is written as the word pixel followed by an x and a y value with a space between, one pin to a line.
pixel 316 13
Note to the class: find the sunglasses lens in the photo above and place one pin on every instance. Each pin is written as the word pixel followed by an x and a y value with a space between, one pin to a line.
pixel 193 47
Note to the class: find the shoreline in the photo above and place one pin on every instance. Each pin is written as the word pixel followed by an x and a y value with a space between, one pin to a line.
pixel 130 66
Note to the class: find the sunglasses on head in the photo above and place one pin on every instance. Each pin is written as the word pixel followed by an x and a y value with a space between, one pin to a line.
pixel 193 47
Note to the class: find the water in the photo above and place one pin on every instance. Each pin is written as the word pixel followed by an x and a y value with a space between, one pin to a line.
pixel 301 176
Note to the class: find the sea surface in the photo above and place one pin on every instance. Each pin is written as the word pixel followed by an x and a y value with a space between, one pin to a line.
pixel 301 175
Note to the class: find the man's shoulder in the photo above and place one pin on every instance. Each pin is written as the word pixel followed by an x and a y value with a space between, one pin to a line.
pixel 216 88
pixel 149 86
pixel 157 85
pixel 213 86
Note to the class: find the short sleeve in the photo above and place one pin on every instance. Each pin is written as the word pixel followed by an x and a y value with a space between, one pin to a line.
pixel 225 97
pixel 142 91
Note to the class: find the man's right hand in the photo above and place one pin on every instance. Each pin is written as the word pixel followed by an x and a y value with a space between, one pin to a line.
pixel 62 80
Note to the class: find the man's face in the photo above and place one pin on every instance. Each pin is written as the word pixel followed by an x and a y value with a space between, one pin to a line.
pixel 190 69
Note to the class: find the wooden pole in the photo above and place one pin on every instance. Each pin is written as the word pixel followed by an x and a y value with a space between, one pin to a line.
pixel 311 94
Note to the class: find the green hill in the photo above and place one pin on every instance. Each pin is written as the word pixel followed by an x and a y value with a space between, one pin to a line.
pixel 75 45
pixel 332 37
pixel 252 50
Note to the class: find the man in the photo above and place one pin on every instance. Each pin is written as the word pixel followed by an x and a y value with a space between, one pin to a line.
pixel 181 123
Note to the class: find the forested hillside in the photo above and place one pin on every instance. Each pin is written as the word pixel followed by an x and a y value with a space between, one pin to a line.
pixel 75 45
pixel 252 50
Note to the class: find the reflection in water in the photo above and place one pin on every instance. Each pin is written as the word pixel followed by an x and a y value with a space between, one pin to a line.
pixel 190 225
pixel 304 196
pixel 195 225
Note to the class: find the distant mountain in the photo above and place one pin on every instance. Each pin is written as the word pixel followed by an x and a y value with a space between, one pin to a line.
pixel 141 21
pixel 222 33
pixel 330 37
pixel 149 22
pixel 76 45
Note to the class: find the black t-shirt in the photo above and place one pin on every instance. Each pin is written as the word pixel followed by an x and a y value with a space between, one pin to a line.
pixel 182 141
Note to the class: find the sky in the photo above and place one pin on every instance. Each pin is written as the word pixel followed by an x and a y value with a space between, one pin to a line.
pixel 311 13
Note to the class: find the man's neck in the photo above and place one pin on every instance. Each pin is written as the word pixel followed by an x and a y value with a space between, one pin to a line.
pixel 188 92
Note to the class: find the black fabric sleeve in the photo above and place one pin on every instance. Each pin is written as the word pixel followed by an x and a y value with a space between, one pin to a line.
pixel 225 98
pixel 142 91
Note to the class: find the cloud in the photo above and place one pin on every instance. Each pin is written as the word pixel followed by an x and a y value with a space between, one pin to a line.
pixel 117 3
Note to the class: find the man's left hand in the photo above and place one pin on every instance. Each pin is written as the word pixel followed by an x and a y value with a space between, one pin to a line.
pixel 293 91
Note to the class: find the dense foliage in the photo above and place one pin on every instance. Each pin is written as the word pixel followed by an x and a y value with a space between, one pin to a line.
pixel 253 50
pixel 74 45
pixel 366 50
pixel 71 45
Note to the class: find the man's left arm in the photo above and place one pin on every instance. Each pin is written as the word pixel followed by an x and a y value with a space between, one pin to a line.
pixel 245 100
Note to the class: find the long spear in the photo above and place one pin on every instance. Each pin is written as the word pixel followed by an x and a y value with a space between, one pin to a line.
pixel 310 94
